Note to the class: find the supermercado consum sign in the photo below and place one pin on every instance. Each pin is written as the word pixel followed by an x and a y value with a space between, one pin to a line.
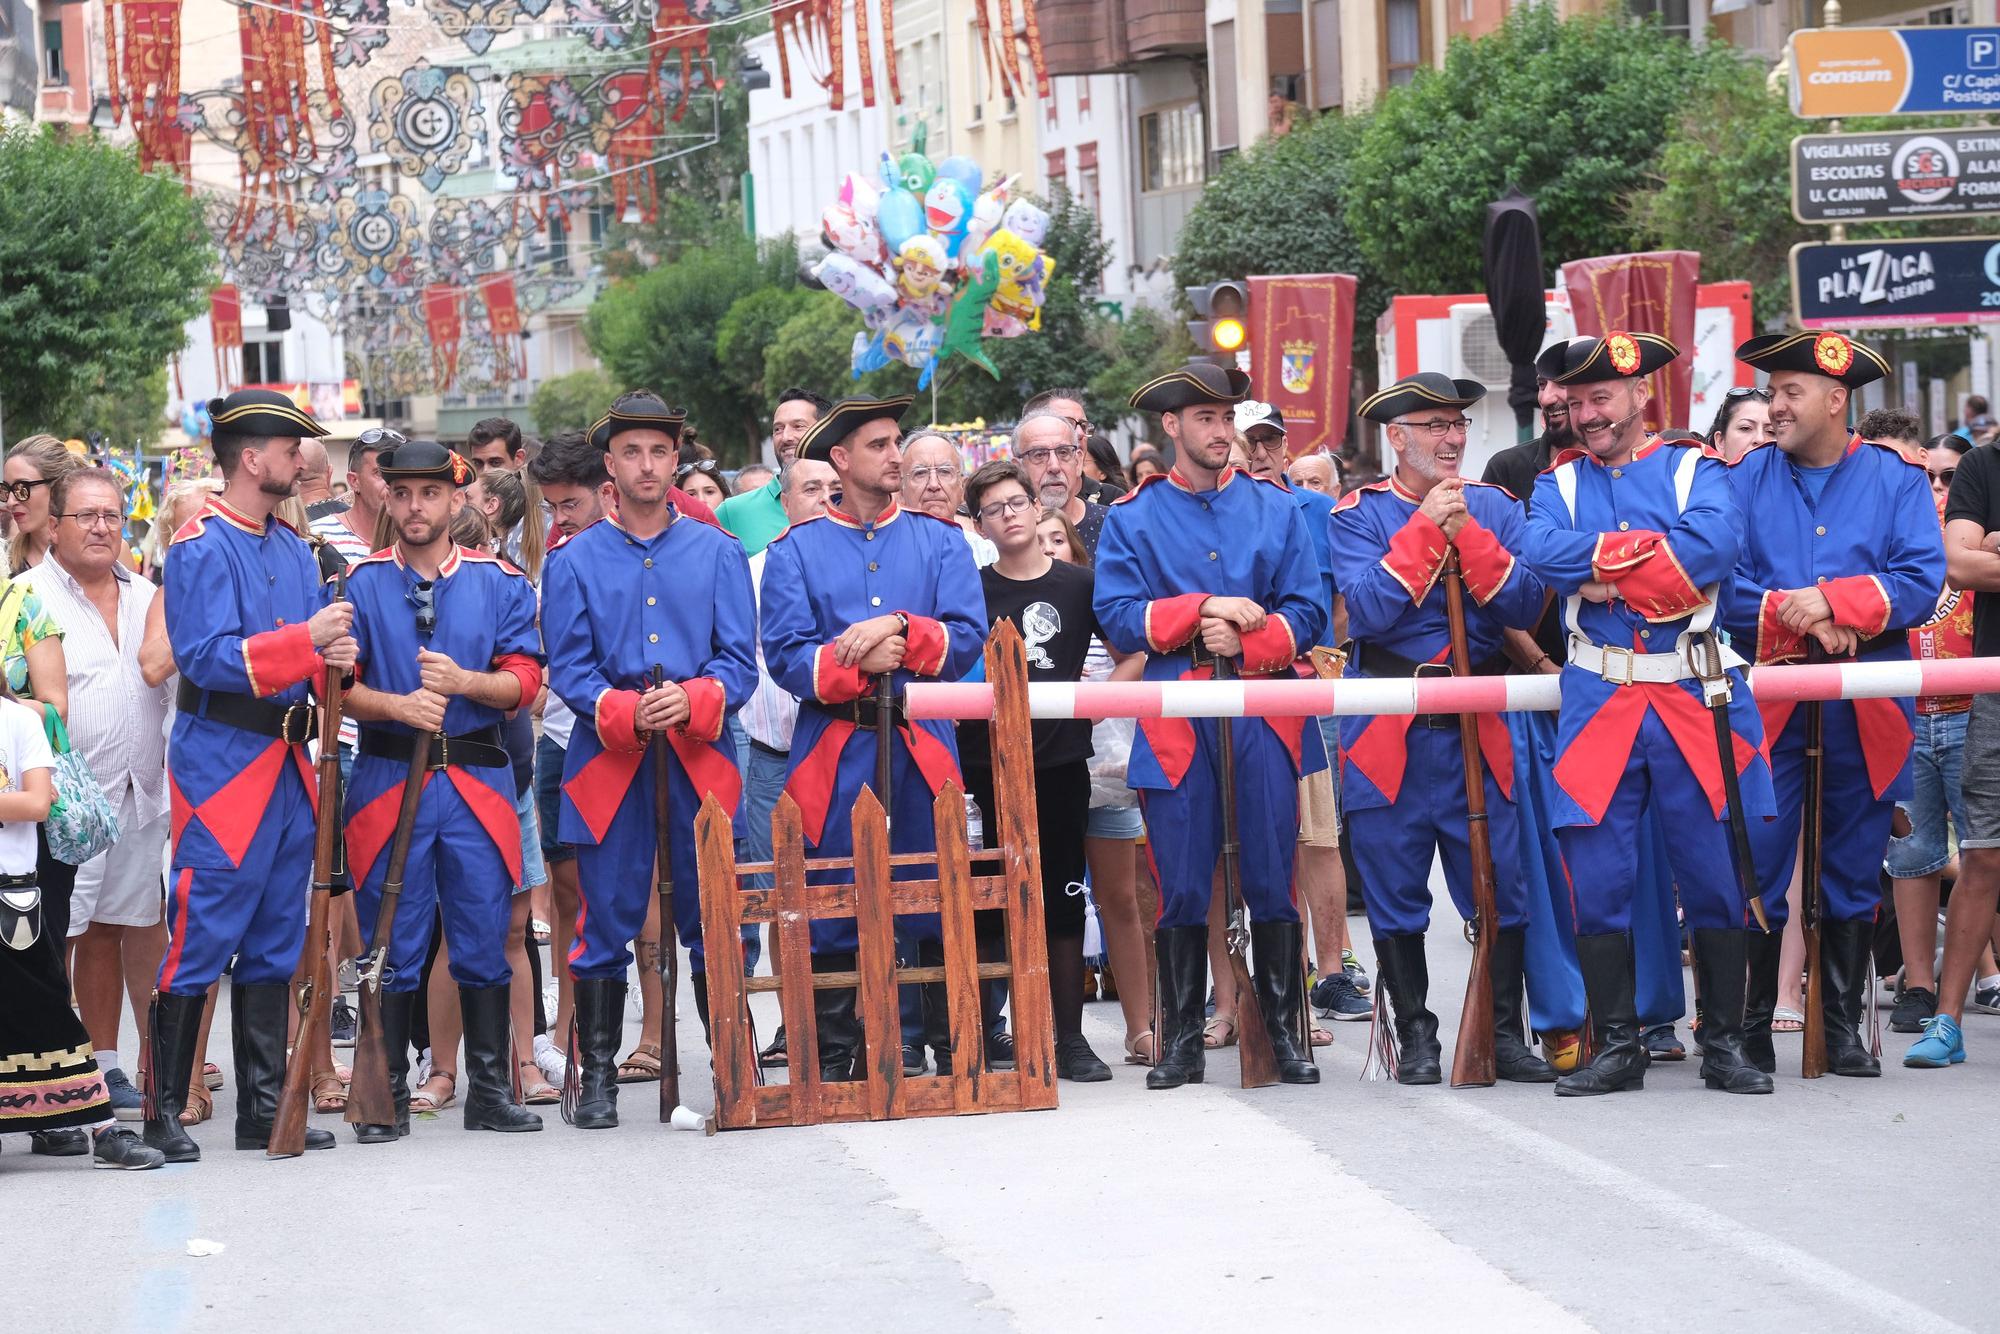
pixel 1896 284
pixel 1895 71
pixel 1913 174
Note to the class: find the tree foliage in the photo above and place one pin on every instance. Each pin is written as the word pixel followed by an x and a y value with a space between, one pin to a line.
pixel 571 402
pixel 750 327
pixel 100 267
pixel 1571 111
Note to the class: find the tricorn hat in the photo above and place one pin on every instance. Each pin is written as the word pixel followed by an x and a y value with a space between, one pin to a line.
pixel 844 419
pixel 262 412
pixel 636 412
pixel 1833 355
pixel 1414 393
pixel 424 460
pixel 1614 356
pixel 1196 382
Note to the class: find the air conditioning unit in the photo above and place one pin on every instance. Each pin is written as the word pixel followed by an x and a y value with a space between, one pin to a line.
pixel 1475 350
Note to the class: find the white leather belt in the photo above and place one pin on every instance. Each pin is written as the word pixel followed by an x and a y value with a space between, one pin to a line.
pixel 1623 667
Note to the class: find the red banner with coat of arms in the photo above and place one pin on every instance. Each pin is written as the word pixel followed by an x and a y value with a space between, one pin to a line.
pixel 1302 353
pixel 1650 293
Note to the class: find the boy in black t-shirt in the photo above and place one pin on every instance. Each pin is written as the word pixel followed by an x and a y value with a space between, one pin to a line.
pixel 1972 561
pixel 1049 601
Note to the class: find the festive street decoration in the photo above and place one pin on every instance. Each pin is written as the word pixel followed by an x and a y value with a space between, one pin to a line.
pixel 445 323
pixel 426 120
pixel 142 61
pixel 478 22
pixel 503 321
pixel 276 100
pixel 225 333
pixel 374 237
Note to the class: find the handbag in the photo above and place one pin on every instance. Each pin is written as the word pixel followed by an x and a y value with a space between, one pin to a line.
pixel 20 916
pixel 81 823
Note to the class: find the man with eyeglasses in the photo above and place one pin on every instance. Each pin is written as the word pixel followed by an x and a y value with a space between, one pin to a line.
pixel 1208 566
pixel 351 531
pixel 1045 446
pixel 865 592
pixel 447 648
pixel 1841 557
pixel 755 517
pixel 1068 404
pixel 250 634
pixel 649 622
pixel 1403 779
pixel 1640 535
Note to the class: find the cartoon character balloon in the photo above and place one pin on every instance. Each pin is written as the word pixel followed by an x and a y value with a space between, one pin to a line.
pixel 1024 279
pixel 947 210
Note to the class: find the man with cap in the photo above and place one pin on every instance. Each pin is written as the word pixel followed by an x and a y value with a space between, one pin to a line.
pixel 1842 555
pixel 864 591
pixel 250 635
pixel 448 647
pixel 1403 783
pixel 1199 564
pixel 649 622
pixel 1639 535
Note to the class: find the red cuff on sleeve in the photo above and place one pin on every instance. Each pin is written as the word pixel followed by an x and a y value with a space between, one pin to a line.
pixel 925 648
pixel 525 670
pixel 1859 602
pixel 705 708
pixel 1170 622
pixel 279 659
pixel 1416 555
pixel 1776 643
pixel 1271 648
pixel 617 720
pixel 1484 562
pixel 1618 554
pixel 1659 588
pixel 833 683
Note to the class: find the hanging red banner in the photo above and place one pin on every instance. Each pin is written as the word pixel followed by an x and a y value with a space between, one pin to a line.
pixel 503 317
pixel 225 334
pixel 1648 293
pixel 1302 354
pixel 277 118
pixel 144 78
pixel 446 328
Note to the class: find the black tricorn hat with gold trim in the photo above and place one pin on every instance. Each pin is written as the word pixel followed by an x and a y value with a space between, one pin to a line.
pixel 844 419
pixel 1414 393
pixel 1196 382
pixel 262 412
pixel 424 460
pixel 1820 352
pixel 1616 355
pixel 637 411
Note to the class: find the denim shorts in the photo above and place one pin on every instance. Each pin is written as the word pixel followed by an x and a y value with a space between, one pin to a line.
pixel 1981 828
pixel 1935 802
pixel 534 869
pixel 548 799
pixel 1115 822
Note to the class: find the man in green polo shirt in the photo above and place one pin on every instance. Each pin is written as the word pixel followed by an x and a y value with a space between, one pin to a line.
pixel 755 517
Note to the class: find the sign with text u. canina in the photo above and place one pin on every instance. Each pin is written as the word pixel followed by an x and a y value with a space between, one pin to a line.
pixel 1895 71
pixel 1896 284
pixel 1913 174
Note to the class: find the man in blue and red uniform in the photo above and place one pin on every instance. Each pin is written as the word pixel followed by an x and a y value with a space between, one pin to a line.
pixel 1639 535
pixel 1842 551
pixel 448 648
pixel 650 592
pixel 1403 777
pixel 865 590
pixel 1195 565
pixel 249 635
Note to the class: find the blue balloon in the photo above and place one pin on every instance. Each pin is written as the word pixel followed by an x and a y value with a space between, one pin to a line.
pixel 962 169
pixel 898 218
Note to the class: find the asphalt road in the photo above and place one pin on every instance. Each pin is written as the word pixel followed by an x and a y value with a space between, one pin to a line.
pixel 1359 1204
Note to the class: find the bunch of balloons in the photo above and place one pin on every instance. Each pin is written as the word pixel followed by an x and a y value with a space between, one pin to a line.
pixel 934 263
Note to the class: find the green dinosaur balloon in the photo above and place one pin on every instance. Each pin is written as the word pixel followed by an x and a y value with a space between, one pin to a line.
pixel 965 323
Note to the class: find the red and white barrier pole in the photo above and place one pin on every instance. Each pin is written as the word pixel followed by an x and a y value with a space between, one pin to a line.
pixel 1288 698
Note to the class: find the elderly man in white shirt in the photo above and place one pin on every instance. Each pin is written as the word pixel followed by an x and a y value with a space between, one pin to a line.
pixel 118 724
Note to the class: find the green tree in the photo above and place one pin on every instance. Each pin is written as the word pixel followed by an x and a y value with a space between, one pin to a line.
pixel 1147 344
pixel 100 267
pixel 814 349
pixel 750 327
pixel 1572 111
pixel 1282 207
pixel 133 415
pixel 571 402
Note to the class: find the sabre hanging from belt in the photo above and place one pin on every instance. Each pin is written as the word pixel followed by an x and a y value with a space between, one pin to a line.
pixel 1705 656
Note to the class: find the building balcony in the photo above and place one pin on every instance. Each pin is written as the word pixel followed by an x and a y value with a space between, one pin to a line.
pixel 1107 36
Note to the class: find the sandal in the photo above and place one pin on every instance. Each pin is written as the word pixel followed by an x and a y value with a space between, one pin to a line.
pixel 536 1091
pixel 1219 1031
pixel 1785 1020
pixel 423 1100
pixel 642 1066
pixel 329 1093
pixel 199 1107
pixel 211 1075
pixel 1320 1037
pixel 1133 1056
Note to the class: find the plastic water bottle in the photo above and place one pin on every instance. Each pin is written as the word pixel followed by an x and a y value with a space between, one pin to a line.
pixel 975 826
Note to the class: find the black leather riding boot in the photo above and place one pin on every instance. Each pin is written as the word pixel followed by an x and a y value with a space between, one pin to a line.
pixel 1281 985
pixel 1182 952
pixel 1846 952
pixel 258 1016
pixel 1760 997
pixel 1620 1061
pixel 398 1009
pixel 838 1023
pixel 1513 1059
pixel 600 1025
pixel 489 1064
pixel 1721 969
pixel 1406 974
pixel 175 1025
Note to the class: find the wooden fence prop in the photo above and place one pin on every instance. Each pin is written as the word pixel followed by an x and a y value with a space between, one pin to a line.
pixel 1009 879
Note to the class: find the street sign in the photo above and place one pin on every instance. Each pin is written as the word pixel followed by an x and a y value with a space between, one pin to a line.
pixel 1914 174
pixel 1895 71
pixel 1896 284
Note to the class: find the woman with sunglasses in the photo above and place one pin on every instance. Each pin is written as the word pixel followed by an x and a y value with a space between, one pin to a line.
pixel 34 465
pixel 702 479
pixel 1743 420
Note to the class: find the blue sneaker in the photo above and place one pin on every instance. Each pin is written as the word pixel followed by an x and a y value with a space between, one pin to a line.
pixel 1941 1045
pixel 1334 997
pixel 126 1102
pixel 1355 972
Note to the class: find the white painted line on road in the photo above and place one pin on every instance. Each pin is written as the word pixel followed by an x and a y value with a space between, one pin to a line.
pixel 1183 1211
pixel 1756 1249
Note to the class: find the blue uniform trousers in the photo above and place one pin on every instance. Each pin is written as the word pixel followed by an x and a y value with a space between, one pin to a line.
pixel 1659 985
pixel 1555 982
pixel 453 871
pixel 1856 821
pixel 1394 845
pixel 615 884
pixel 255 911
pixel 1184 827
pixel 911 829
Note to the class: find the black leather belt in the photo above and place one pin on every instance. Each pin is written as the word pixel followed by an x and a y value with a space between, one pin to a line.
pixel 471 750
pixel 1374 660
pixel 759 746
pixel 293 724
pixel 1887 639
pixel 861 712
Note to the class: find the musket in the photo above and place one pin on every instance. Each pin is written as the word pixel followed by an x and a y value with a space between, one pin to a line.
pixel 369 1099
pixel 312 980
pixel 668 958
pixel 1258 1059
pixel 1812 1061
pixel 1472 1060
pixel 1705 656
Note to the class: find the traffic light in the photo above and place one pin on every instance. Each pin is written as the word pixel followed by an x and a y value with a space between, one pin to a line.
pixel 1221 324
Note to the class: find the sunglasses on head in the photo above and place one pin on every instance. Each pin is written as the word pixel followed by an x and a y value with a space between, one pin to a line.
pixel 1749 391
pixel 381 435
pixel 423 596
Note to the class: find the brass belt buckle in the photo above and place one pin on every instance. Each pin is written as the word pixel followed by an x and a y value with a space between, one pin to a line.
pixel 1612 653
pixel 442 759
pixel 304 713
